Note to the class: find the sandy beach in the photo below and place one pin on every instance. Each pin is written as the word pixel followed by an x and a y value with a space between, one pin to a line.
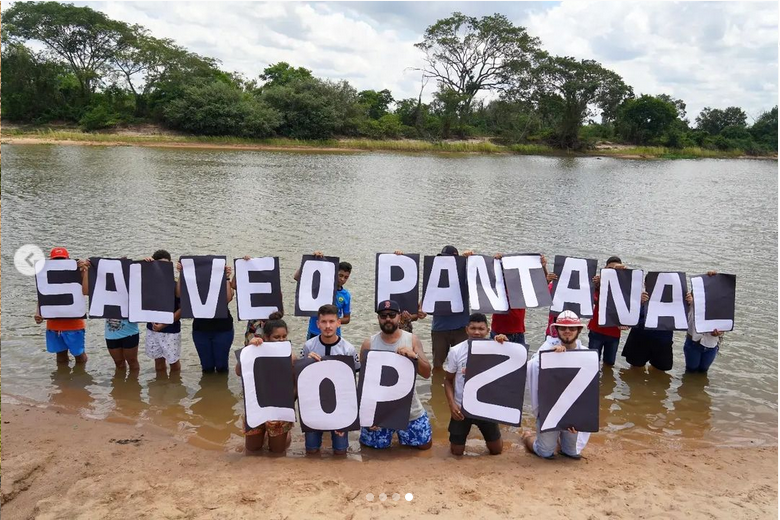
pixel 60 465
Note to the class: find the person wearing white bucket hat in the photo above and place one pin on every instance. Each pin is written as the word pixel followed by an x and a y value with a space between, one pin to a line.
pixel 569 326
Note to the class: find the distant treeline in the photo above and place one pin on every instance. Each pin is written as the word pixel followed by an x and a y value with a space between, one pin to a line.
pixel 101 73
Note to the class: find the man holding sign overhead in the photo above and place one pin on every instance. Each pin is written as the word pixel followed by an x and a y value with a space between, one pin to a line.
pixel 544 443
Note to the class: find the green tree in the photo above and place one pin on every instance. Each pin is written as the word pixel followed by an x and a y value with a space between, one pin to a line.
pixel 218 108
pixel 679 104
pixel 280 74
pixel 467 55
pixel 34 88
pixel 764 130
pixel 714 120
pixel 377 103
pixel 307 108
pixel 645 119
pixel 566 91
pixel 85 39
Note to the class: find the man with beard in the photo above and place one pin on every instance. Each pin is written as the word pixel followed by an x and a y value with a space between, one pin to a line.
pixel 572 442
pixel 391 338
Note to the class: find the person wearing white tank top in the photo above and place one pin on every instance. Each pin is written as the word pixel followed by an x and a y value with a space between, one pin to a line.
pixel 418 433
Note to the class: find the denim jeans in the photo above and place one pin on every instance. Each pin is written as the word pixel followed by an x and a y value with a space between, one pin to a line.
pixel 314 441
pixel 698 358
pixel 546 442
pixel 213 349
pixel 515 337
pixel 607 344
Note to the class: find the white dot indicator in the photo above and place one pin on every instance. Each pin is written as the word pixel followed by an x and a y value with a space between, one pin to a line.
pixel 408 497
pixel 370 497
pixel 396 497
pixel 382 497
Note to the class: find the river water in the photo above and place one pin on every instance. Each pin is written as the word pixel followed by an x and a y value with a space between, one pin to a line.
pixel 683 215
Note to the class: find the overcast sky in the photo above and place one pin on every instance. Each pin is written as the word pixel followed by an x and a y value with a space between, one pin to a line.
pixel 714 54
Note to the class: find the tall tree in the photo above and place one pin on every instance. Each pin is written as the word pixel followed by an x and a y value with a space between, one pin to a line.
pixel 377 103
pixel 566 91
pixel 280 74
pixel 714 120
pixel 87 40
pixel 466 55
pixel 645 119
pixel 679 104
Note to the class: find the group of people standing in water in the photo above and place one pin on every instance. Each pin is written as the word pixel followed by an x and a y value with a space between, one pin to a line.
pixel 213 339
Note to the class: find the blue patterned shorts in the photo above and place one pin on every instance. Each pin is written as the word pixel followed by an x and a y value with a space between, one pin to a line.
pixel 417 433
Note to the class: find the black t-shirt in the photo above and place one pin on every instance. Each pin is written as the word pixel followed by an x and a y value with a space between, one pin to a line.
pixel 213 325
pixel 173 327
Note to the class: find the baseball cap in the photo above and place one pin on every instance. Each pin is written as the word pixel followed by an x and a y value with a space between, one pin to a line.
pixel 388 305
pixel 59 252
pixel 449 251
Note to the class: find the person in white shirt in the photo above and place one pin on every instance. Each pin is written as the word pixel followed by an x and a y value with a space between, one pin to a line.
pixel 454 381
pixel 700 349
pixel 572 442
pixel 328 343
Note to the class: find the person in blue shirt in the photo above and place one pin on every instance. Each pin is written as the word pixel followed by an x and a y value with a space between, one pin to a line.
pixel 343 299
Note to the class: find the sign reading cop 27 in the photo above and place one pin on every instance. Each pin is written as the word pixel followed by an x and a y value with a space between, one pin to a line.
pixel 145 291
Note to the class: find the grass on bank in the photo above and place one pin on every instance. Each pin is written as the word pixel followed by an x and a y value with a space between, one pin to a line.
pixel 400 145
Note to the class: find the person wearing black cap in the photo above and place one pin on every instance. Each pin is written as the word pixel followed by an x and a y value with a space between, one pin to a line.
pixel 418 433
pixel 448 331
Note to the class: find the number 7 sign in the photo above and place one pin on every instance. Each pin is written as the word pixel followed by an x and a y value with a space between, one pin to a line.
pixel 569 390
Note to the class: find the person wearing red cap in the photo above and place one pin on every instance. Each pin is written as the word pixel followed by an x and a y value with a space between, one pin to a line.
pixel 569 326
pixel 64 334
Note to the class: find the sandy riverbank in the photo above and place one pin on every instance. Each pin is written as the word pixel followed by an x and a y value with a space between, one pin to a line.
pixel 470 147
pixel 59 465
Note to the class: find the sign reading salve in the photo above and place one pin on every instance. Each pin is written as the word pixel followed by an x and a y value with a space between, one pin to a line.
pixel 386 388
pixel 713 302
pixel 327 395
pixel 316 284
pixel 573 289
pixel 397 278
pixel 258 288
pixel 267 377
pixel 569 390
pixel 58 283
pixel 495 381
pixel 203 287
pixel 109 281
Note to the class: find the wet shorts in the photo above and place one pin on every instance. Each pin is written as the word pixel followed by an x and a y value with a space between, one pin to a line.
pixel 459 430
pixel 418 433
pixel 62 341
pixel 126 342
pixel 163 345
pixel 641 348
pixel 274 428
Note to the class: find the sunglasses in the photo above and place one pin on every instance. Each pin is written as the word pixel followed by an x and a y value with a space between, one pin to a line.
pixel 568 328
pixel 387 315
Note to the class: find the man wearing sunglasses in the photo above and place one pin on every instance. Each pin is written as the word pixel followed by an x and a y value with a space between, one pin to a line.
pixel 391 338
pixel 572 442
